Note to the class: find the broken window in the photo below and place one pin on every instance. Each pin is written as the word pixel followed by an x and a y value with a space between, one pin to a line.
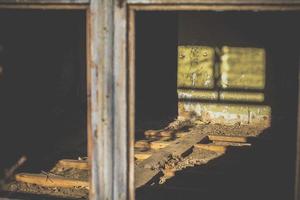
pixel 208 87
pixel 43 104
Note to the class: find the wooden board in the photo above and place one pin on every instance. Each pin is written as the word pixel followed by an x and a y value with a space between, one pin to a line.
pixel 50 181
pixel 76 164
pixel 212 147
pixel 240 2
pixel 45 1
pixel 160 133
pixel 142 144
pixel 232 144
pixel 142 155
pixel 227 138
pixel 149 168
pixel 156 145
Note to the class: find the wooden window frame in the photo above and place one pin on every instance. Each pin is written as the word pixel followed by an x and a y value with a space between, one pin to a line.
pixel 193 5
pixel 106 90
pixel 110 66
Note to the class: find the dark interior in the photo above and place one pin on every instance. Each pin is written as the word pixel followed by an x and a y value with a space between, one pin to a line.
pixel 156 72
pixel 264 173
pixel 43 87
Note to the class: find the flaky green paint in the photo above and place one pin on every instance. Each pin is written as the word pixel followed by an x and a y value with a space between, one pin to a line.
pixel 242 68
pixel 195 67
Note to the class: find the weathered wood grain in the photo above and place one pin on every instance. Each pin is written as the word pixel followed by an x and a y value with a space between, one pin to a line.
pixel 159 133
pixel 50 181
pixel 131 100
pixel 108 138
pixel 247 2
pixel 159 144
pixel 212 147
pixel 101 34
pixel 16 6
pixel 232 144
pixel 215 7
pixel 45 1
pixel 76 164
pixel 227 138
pixel 121 148
pixel 149 168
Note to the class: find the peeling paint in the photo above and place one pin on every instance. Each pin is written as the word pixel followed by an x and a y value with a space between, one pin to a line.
pixel 195 67
pixel 240 68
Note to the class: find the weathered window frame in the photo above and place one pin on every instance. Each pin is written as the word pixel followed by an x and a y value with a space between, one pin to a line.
pixel 194 5
pixel 106 89
pixel 110 76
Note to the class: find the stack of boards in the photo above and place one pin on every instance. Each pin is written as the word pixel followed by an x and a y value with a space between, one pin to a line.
pixel 152 156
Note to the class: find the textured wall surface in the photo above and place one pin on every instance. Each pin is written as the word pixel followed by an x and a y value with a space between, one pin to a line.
pixel 217 82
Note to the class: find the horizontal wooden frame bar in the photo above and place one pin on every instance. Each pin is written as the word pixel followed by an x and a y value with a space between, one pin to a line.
pixel 45 1
pixel 44 6
pixel 212 2
pixel 215 7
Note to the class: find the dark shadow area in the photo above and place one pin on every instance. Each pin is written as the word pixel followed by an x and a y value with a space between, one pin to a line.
pixel 267 170
pixel 156 74
pixel 27 196
pixel 42 87
pixel 242 173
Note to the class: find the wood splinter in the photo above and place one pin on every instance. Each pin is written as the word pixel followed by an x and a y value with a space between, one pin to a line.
pixel 144 174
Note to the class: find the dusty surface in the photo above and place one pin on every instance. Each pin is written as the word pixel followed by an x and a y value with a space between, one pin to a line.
pixel 235 130
pixel 71 173
pixel 198 157
pixel 77 193
pixel 195 158
pixel 72 193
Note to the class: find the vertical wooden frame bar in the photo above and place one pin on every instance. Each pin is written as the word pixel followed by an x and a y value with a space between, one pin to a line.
pixel 107 114
pixel 120 170
pixel 131 105
pixel 108 139
pixel 101 75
